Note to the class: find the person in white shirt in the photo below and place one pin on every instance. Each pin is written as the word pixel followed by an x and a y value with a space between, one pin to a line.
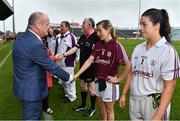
pixel 154 70
pixel 66 41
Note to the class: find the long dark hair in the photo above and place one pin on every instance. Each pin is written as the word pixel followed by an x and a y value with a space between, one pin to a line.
pixel 160 16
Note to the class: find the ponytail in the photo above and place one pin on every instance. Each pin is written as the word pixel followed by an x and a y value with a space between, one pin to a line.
pixel 165 29
pixel 161 17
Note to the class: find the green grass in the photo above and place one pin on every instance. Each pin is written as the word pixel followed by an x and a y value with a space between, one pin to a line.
pixel 4 49
pixel 10 107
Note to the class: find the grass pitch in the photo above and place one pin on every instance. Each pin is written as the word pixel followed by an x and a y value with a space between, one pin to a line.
pixel 10 107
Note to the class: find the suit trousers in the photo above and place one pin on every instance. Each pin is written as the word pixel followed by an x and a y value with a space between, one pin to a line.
pixel 32 110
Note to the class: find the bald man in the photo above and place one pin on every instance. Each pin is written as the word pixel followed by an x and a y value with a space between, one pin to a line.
pixel 30 65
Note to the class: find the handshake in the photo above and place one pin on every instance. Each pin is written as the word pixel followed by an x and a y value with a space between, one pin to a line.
pixel 72 78
pixel 59 56
pixel 55 57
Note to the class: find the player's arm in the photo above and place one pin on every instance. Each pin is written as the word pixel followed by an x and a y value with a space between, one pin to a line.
pixel 169 70
pixel 73 49
pixel 121 76
pixel 122 100
pixel 69 52
pixel 122 59
pixel 166 96
pixel 85 66
pixel 125 72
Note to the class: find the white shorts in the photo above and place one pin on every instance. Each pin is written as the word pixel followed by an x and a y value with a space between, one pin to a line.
pixel 111 93
pixel 142 108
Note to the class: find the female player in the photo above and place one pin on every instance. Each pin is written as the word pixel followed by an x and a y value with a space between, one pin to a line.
pixel 108 54
pixel 154 70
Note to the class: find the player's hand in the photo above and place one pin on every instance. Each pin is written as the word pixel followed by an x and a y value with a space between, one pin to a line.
pixel 77 62
pixel 112 79
pixel 59 57
pixel 74 78
pixel 122 101
pixel 156 118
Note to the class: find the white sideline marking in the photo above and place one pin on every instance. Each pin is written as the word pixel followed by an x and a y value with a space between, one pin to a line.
pixel 4 60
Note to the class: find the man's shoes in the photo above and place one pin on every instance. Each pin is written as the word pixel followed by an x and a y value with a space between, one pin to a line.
pixel 67 100
pixel 90 112
pixel 80 108
pixel 60 81
pixel 54 76
pixel 49 111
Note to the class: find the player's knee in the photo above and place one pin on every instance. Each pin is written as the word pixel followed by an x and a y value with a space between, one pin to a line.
pixel 109 111
pixel 83 89
pixel 91 92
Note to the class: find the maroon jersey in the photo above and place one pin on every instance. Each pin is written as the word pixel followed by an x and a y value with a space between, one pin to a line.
pixel 108 57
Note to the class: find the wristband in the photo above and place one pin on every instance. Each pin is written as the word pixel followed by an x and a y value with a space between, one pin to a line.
pixel 64 55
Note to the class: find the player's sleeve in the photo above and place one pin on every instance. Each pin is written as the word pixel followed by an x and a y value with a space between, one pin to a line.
pixel 78 51
pixel 78 43
pixel 170 68
pixel 72 40
pixel 121 54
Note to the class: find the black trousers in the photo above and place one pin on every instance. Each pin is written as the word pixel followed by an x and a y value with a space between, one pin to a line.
pixel 45 104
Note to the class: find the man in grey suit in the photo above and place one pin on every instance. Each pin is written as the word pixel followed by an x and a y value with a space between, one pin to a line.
pixel 30 65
